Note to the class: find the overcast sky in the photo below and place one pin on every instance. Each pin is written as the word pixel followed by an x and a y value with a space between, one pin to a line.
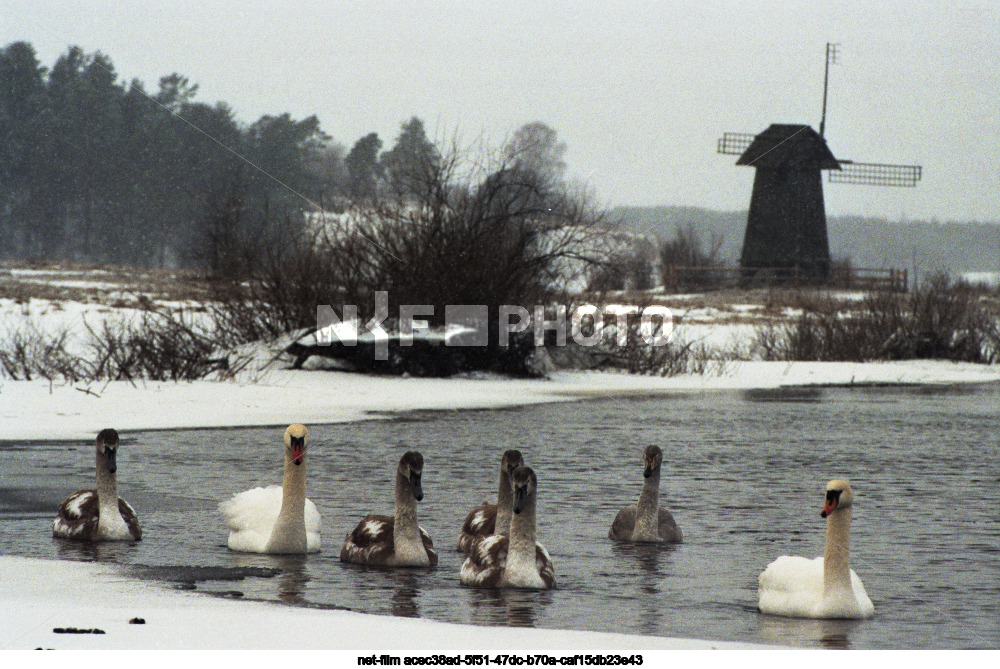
pixel 639 91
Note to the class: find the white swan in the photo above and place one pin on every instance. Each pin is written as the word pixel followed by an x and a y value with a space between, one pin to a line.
pixel 100 514
pixel 825 587
pixel 647 521
pixel 517 560
pixel 398 541
pixel 276 519
pixel 492 518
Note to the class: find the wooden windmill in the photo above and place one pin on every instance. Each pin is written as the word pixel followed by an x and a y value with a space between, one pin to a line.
pixel 786 225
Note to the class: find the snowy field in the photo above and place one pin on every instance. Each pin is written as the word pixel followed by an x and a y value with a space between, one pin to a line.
pixel 36 410
pixel 70 300
pixel 38 596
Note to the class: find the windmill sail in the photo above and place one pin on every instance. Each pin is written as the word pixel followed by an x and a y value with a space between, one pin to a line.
pixel 735 143
pixel 876 174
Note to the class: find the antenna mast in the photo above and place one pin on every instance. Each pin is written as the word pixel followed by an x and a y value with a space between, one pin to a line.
pixel 831 57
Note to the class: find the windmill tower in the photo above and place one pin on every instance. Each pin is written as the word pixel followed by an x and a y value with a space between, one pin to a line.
pixel 786 224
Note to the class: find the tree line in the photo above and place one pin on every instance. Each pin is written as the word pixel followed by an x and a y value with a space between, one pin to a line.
pixel 922 247
pixel 96 169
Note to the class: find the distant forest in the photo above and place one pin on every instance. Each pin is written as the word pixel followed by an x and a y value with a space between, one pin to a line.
pixel 92 169
pixel 867 242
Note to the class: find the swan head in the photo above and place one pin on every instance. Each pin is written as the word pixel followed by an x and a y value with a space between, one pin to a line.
pixel 107 446
pixel 411 467
pixel 296 438
pixel 510 461
pixel 523 482
pixel 838 496
pixel 652 458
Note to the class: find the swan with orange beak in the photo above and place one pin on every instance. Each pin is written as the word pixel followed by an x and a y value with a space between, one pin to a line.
pixel 277 519
pixel 825 587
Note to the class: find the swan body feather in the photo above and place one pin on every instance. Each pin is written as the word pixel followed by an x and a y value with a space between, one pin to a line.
pixel 79 518
pixel 480 523
pixel 372 543
pixel 487 567
pixel 794 586
pixel 623 527
pixel 252 514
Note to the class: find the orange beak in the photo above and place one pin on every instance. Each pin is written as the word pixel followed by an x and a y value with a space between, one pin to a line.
pixel 828 508
pixel 297 452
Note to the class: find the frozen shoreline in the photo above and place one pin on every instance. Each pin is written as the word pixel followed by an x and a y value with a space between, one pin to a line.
pixel 39 596
pixel 36 410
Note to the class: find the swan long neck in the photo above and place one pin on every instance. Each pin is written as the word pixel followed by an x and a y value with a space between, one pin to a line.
pixel 293 488
pixel 406 530
pixel 505 504
pixel 837 557
pixel 289 533
pixel 107 485
pixel 110 524
pixel 522 533
pixel 647 510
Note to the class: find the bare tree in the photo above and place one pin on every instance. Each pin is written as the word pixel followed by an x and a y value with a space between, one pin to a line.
pixel 466 234
pixel 685 259
pixel 494 236
pixel 535 147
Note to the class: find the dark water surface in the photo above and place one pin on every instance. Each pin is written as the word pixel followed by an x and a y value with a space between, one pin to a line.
pixel 743 475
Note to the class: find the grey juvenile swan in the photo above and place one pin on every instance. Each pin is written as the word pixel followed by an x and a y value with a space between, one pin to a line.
pixel 515 560
pixel 492 518
pixel 99 514
pixel 394 541
pixel 647 521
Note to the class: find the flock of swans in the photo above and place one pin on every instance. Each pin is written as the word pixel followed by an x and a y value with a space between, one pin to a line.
pixel 498 539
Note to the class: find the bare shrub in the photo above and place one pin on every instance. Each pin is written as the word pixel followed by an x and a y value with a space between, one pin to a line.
pixel 628 344
pixel 496 240
pixel 279 295
pixel 678 356
pixel 939 320
pixel 623 270
pixel 686 260
pixel 159 347
pixel 27 353
pixel 461 235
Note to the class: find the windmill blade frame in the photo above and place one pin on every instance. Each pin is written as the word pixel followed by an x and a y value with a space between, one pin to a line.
pixel 876 174
pixel 734 143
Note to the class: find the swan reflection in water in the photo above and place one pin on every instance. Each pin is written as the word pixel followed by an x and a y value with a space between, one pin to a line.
pixel 510 607
pixel 95 551
pixel 807 632
pixel 647 556
pixel 649 577
pixel 383 591
pixel 288 586
pixel 405 589
pixel 293 579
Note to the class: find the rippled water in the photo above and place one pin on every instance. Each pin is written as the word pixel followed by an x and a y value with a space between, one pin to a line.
pixel 743 475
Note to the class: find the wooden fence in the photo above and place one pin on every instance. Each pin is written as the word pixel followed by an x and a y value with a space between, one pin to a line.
pixel 677 277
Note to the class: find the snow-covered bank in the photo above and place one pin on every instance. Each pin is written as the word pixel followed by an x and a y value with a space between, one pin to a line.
pixel 38 410
pixel 38 596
